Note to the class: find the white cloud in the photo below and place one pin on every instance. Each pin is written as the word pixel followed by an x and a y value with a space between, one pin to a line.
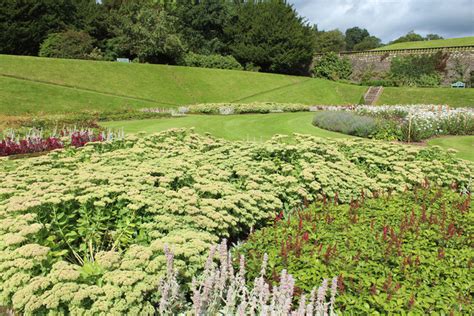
pixel 389 19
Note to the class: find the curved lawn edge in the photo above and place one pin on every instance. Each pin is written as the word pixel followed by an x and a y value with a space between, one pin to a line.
pixel 464 145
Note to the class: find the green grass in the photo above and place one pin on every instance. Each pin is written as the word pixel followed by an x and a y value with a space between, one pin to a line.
pixel 463 144
pixel 33 85
pixel 259 127
pixel 233 127
pixel 19 97
pixel 94 84
pixel 449 42
pixel 449 96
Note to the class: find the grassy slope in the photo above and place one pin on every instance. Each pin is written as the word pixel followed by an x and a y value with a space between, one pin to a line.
pixel 169 85
pixel 462 41
pixel 21 97
pixel 34 85
pixel 233 127
pixel 450 96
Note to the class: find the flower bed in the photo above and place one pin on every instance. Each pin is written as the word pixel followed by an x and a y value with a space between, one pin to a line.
pixel 402 254
pixel 34 142
pixel 84 230
pixel 411 123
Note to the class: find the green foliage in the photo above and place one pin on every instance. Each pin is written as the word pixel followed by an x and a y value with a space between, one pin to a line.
pixel 202 24
pixel 368 43
pixel 68 44
pixel 211 61
pixel 59 238
pixel 409 37
pixel 270 35
pixel 347 122
pixel 433 37
pixel 417 70
pixel 332 67
pixel 329 41
pixel 244 108
pixel 25 24
pixel 409 253
pixel 354 36
pixel 148 32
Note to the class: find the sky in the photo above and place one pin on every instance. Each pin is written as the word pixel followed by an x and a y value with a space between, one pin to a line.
pixel 390 19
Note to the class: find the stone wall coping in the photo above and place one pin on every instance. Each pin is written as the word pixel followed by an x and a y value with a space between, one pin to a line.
pixel 408 50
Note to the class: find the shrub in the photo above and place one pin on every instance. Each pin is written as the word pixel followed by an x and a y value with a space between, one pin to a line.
pixel 68 44
pixel 83 230
pixel 417 70
pixel 243 108
pixel 346 122
pixel 332 67
pixel 211 61
pixel 393 254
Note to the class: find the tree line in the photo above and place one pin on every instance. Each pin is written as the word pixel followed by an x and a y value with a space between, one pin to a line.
pixel 259 35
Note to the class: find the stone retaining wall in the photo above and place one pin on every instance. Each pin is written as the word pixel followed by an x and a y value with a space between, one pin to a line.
pixel 379 61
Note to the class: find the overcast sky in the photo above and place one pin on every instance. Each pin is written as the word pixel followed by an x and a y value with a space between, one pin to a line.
pixel 389 19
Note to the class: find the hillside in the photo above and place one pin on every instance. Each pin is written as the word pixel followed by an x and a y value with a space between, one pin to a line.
pixel 31 84
pixel 41 85
pixel 449 42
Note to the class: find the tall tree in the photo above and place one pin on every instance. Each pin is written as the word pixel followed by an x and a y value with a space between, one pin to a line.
pixel 271 35
pixel 330 41
pixel 370 42
pixel 409 37
pixel 432 37
pixel 354 36
pixel 147 32
pixel 24 24
pixel 202 23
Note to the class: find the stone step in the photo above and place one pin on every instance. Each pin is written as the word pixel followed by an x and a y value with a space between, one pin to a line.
pixel 372 95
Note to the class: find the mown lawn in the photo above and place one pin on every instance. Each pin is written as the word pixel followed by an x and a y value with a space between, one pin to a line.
pixel 463 144
pixel 462 41
pixel 450 96
pixel 260 127
pixel 20 97
pixel 233 127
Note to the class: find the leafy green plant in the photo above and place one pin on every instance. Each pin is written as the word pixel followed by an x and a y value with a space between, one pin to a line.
pixel 417 70
pixel 68 44
pixel 211 61
pixel 332 67
pixel 393 254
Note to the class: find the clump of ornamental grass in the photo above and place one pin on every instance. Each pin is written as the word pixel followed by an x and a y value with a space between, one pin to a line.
pixel 220 290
